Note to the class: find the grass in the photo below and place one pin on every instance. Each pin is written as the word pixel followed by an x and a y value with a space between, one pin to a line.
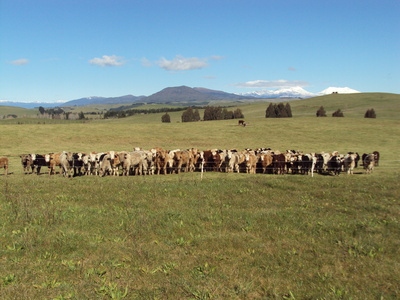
pixel 228 236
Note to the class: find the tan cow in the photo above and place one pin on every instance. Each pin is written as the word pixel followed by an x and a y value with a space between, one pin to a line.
pixel 183 160
pixel 251 163
pixel 4 164
pixel 266 162
pixel 53 160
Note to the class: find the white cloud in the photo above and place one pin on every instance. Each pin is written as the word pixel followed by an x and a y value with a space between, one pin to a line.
pixel 180 63
pixel 271 84
pixel 20 62
pixel 107 61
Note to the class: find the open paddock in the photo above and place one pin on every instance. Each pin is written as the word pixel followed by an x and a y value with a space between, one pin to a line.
pixel 226 236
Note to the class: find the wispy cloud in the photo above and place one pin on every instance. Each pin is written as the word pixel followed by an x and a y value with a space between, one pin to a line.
pixel 20 62
pixel 271 84
pixel 180 63
pixel 107 61
pixel 145 62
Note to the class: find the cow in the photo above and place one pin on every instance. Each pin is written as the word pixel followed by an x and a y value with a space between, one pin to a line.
pixel 182 160
pixel 251 163
pixel 53 160
pixel 242 122
pixel 279 163
pixel 4 164
pixel 266 163
pixel 369 163
pixel 335 165
pixel 134 163
pixel 235 159
pixel 376 158
pixel 349 162
pixel 308 162
pixel 208 160
pixel 108 164
pixel 319 163
pixel 220 160
pixel 78 163
pixel 67 163
pixel 38 161
pixel 196 156
pixel 27 163
pixel 159 160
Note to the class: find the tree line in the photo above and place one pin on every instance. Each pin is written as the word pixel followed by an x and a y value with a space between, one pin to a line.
pixel 370 113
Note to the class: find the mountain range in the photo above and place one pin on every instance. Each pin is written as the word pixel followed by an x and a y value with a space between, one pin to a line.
pixel 184 94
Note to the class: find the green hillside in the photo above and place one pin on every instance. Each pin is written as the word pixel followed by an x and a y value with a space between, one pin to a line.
pixel 353 105
pixel 19 111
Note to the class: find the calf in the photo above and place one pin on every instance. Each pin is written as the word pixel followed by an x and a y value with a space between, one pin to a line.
pixel 335 165
pixel 27 163
pixel 67 163
pixel 349 162
pixel 38 161
pixel 53 160
pixel 251 163
pixel 376 157
pixel 4 164
pixel 279 163
pixel 369 163
pixel 266 163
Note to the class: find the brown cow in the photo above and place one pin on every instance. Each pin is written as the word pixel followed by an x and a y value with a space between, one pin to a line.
pixel 266 162
pixel 376 157
pixel 279 163
pixel 27 163
pixel 251 163
pixel 53 160
pixel 4 164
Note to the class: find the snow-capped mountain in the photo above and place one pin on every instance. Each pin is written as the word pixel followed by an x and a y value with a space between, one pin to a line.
pixel 339 90
pixel 297 92
pixel 293 92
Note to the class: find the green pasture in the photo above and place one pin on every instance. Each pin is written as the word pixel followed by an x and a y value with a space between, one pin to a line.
pixel 220 236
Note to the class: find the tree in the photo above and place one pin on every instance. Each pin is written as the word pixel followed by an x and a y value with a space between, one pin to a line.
pixel 288 110
pixel 196 115
pixel 81 116
pixel 370 113
pixel 270 112
pixel 321 112
pixel 188 115
pixel 278 111
pixel 41 110
pixel 338 113
pixel 237 114
pixel 213 113
pixel 166 118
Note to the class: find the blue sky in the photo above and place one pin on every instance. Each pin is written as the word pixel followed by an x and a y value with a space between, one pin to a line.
pixel 59 50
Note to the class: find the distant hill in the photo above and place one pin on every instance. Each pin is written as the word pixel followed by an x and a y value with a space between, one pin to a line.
pixel 187 94
pixel 103 100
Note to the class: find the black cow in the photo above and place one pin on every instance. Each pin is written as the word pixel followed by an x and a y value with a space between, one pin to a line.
pixel 335 165
pixel 38 161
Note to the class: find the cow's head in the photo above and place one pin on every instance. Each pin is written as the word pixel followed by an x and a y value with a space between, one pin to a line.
pixel 47 157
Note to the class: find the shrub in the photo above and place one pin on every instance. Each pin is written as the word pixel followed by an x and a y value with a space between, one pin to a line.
pixel 166 118
pixel 321 112
pixel 370 113
pixel 338 113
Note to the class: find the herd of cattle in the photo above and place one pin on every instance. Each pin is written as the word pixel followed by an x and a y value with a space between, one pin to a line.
pixel 160 161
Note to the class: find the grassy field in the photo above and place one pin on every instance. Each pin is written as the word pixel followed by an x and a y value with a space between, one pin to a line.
pixel 226 236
